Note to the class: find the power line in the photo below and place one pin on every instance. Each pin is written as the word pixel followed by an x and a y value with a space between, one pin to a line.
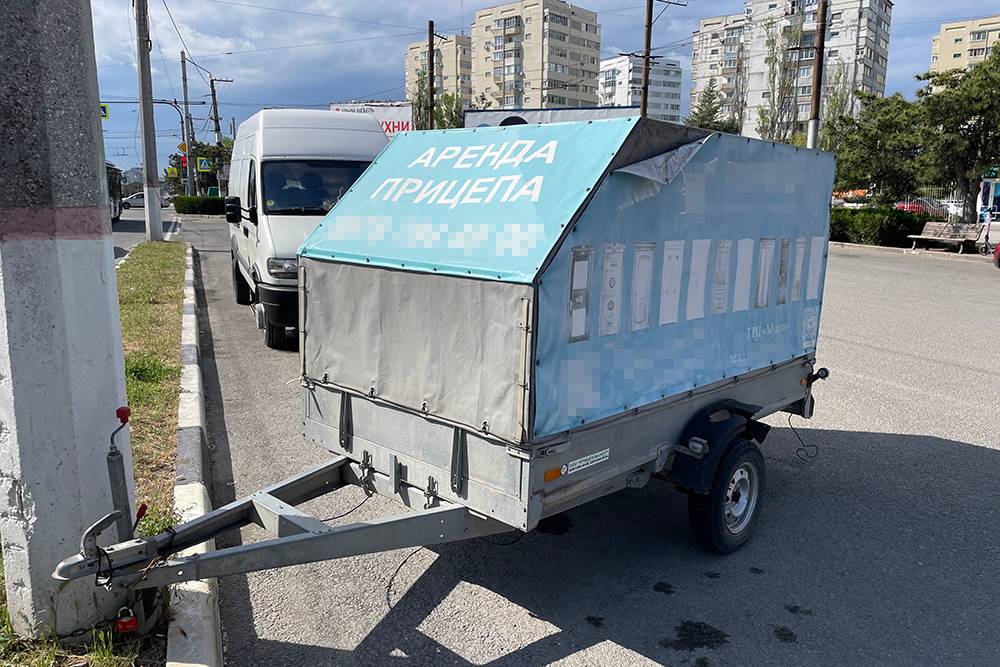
pixel 159 48
pixel 181 37
pixel 312 14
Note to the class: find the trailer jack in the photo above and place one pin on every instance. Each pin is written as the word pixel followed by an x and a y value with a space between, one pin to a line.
pixel 298 537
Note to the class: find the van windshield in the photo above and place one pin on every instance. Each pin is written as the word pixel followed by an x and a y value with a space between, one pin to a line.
pixel 307 187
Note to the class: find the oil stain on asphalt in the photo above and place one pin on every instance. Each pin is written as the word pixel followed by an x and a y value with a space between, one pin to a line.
pixel 663 587
pixel 596 621
pixel 785 635
pixel 694 635
pixel 798 611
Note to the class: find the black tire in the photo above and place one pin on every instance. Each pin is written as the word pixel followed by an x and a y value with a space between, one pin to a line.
pixel 275 336
pixel 707 513
pixel 126 206
pixel 241 290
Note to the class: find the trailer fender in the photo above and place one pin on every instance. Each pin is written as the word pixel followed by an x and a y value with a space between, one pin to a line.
pixel 705 440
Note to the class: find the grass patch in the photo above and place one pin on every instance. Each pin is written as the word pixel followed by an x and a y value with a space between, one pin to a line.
pixel 151 302
pixel 151 298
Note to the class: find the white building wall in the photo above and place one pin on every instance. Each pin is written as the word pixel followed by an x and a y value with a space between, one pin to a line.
pixel 620 84
pixel 734 48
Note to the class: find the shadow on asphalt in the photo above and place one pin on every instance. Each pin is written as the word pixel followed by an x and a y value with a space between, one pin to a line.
pixel 860 553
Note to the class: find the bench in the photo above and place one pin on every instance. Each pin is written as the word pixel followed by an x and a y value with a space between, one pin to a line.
pixel 953 233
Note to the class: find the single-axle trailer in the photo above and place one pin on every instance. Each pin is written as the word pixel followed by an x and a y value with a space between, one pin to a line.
pixel 500 324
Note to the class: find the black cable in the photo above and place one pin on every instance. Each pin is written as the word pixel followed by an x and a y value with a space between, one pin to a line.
pixel 388 586
pixel 340 516
pixel 517 539
pixel 805 452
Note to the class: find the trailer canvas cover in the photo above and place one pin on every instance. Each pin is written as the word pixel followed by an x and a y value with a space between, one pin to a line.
pixel 539 278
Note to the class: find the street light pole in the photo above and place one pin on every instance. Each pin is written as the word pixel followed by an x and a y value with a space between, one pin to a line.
pixel 645 58
pixel 189 188
pixel 218 130
pixel 430 75
pixel 151 176
pixel 812 131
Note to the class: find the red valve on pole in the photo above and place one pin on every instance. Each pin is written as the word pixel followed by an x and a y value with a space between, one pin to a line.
pixel 123 413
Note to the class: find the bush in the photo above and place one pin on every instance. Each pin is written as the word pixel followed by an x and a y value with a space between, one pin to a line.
pixel 874 226
pixel 202 205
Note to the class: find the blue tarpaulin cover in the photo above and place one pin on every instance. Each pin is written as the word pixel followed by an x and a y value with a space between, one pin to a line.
pixel 487 202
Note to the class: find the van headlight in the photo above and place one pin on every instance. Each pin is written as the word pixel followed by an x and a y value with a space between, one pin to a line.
pixel 282 268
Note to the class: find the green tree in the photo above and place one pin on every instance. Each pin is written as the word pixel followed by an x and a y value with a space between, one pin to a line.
pixel 777 116
pixel 448 112
pixel 220 156
pixel 707 113
pixel 882 147
pixel 963 137
pixel 837 104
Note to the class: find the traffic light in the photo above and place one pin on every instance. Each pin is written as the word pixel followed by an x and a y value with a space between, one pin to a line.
pixel 184 162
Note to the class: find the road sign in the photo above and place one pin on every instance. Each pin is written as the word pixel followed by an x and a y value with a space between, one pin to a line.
pixel 204 164
pixel 105 112
pixel 172 172
pixel 182 147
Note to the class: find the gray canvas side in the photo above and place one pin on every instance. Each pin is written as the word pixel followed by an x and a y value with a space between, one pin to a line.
pixel 447 347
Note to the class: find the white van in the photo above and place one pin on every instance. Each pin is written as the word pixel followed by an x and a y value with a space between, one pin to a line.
pixel 289 167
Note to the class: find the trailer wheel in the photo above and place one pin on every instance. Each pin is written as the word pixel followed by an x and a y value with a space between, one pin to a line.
pixel 725 518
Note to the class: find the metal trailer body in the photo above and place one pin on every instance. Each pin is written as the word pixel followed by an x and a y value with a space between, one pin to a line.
pixel 499 324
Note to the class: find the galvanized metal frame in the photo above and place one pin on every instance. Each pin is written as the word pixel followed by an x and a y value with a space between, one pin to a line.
pixel 298 537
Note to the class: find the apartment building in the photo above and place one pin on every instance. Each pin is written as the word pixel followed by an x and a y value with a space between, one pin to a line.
pixel 536 54
pixel 620 84
pixel 736 50
pixel 452 67
pixel 960 44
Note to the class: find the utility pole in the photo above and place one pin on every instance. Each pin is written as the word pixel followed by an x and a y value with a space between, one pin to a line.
pixel 645 57
pixel 154 226
pixel 430 75
pixel 812 131
pixel 232 127
pixel 60 337
pixel 218 129
pixel 189 187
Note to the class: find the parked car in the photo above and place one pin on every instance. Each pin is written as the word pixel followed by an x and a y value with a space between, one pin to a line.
pixel 138 200
pixel 289 167
pixel 923 205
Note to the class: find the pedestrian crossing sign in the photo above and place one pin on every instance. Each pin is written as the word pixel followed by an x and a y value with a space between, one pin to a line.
pixel 172 172
pixel 204 164
pixel 105 114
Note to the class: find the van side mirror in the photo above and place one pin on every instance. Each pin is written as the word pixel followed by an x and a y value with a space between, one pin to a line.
pixel 233 210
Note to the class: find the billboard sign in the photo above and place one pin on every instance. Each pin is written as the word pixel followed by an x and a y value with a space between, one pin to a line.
pixel 394 116
pixel 505 117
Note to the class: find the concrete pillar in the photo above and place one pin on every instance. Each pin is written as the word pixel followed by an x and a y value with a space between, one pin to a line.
pixel 61 368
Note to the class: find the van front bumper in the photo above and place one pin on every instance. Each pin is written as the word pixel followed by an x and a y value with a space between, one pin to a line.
pixel 280 302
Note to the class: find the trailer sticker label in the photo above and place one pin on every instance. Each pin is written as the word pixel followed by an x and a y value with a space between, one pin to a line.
pixel 744 268
pixel 696 279
pixel 586 462
pixel 611 290
pixel 816 253
pixel 670 281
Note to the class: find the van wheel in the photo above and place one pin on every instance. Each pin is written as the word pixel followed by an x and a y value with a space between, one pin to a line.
pixel 725 518
pixel 241 290
pixel 126 206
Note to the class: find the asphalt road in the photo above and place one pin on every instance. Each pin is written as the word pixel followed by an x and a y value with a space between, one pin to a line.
pixel 882 549
pixel 130 230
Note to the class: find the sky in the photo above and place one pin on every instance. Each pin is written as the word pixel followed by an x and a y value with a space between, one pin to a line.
pixel 313 52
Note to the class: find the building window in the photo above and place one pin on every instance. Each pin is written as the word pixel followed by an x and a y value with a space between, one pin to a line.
pixel 732 62
pixel 956 55
pixel 976 53
pixel 978 36
pixel 555 18
pixel 833 53
pixel 958 40
pixel 836 16
pixel 806 71
pixel 556 35
pixel 804 90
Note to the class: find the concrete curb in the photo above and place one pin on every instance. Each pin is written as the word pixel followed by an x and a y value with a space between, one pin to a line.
pixel 194 636
pixel 929 254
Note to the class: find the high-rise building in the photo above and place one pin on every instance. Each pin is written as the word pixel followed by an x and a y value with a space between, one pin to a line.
pixel 452 66
pixel 620 85
pixel 960 44
pixel 762 60
pixel 536 54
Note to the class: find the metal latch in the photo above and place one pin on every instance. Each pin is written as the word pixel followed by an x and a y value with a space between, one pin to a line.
pixel 696 447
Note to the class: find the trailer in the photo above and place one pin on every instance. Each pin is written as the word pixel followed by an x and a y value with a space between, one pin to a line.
pixel 500 324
